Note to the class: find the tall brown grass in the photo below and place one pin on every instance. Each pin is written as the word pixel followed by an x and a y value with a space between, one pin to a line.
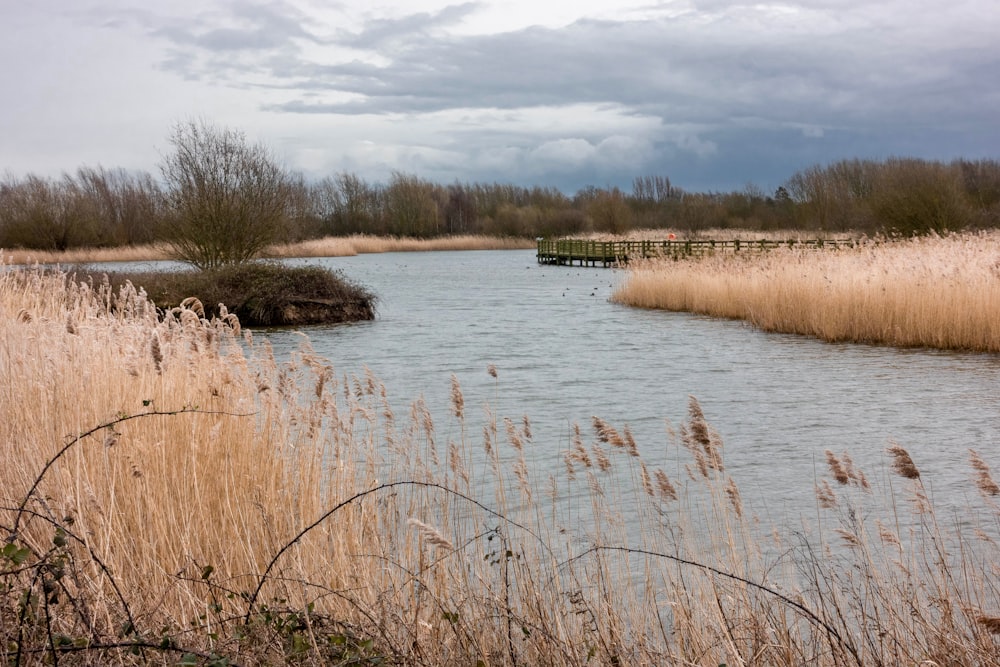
pixel 359 244
pixel 126 253
pixel 713 234
pixel 330 246
pixel 171 493
pixel 939 292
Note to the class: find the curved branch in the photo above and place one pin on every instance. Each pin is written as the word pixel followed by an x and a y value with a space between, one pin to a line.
pixel 809 614
pixel 108 424
pixel 252 601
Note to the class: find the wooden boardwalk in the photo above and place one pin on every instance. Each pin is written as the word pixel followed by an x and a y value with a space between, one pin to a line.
pixel 611 253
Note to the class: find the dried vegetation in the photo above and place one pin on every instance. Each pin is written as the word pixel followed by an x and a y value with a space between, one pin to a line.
pixel 933 291
pixel 173 494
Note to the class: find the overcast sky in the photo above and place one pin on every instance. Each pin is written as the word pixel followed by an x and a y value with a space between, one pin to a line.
pixel 711 93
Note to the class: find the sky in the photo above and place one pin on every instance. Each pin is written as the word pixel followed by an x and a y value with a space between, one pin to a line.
pixel 714 95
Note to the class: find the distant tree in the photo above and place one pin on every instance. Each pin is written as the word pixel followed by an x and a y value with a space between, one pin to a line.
pixel 460 212
pixel 45 214
pixel 609 212
pixel 226 199
pixel 652 189
pixel 410 206
pixel 981 184
pixel 915 196
pixel 346 204
pixel 124 204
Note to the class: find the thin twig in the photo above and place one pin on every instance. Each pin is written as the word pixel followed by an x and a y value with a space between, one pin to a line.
pixel 252 601
pixel 108 424
pixel 808 613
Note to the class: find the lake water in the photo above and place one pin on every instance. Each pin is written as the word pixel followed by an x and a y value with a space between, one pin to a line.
pixel 564 353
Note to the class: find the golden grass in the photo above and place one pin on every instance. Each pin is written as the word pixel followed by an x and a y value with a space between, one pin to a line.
pixel 939 292
pixel 713 234
pixel 330 246
pixel 140 253
pixel 271 513
pixel 358 244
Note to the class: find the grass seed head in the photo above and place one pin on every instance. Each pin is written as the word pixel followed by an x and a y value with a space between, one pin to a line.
pixel 984 480
pixel 836 469
pixel 902 463
pixel 432 535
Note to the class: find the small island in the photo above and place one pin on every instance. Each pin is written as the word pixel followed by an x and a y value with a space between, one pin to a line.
pixel 259 293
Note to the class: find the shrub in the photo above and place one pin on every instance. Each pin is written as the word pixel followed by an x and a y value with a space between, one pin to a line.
pixel 226 200
pixel 260 293
pixel 918 197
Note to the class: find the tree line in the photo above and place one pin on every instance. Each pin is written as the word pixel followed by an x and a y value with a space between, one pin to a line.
pixel 216 183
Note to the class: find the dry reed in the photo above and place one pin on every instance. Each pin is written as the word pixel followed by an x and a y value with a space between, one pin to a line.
pixel 939 292
pixel 330 246
pixel 359 244
pixel 196 501
pixel 138 253
pixel 710 234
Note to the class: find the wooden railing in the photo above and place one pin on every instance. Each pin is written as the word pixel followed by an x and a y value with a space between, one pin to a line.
pixel 609 253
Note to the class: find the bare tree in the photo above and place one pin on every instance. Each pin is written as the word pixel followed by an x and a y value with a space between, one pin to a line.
pixel 226 200
pixel 124 203
pixel 410 206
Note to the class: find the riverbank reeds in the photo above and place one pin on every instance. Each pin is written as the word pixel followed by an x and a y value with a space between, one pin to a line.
pixel 713 234
pixel 359 244
pixel 330 246
pixel 935 291
pixel 173 494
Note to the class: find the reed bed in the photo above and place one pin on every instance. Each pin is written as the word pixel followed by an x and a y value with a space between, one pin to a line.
pixel 938 292
pixel 173 494
pixel 134 253
pixel 713 234
pixel 329 246
pixel 358 244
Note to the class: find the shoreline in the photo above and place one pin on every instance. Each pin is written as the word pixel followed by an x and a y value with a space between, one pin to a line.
pixel 331 246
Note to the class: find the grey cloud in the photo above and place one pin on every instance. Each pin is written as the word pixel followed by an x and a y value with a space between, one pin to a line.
pixel 691 68
pixel 738 88
pixel 648 65
pixel 382 32
pixel 222 39
pixel 203 45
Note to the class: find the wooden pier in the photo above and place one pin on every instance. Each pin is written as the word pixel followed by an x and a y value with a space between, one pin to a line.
pixel 567 252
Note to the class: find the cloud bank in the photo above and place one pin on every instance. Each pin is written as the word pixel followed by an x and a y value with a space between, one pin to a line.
pixel 712 94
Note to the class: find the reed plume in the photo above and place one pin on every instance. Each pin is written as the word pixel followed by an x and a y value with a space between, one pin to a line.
pixel 984 480
pixel 902 463
pixel 431 535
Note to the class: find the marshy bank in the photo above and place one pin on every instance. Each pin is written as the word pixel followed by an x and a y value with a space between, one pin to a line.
pixel 329 246
pixel 933 291
pixel 172 491
pixel 259 293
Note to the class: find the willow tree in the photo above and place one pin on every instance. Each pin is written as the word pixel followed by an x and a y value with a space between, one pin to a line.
pixel 226 199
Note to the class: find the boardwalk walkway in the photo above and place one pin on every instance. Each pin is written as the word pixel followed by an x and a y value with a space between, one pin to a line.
pixel 609 253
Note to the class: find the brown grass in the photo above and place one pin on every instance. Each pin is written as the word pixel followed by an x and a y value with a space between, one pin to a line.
pixel 360 244
pixel 940 292
pixel 171 490
pixel 728 234
pixel 140 253
pixel 331 246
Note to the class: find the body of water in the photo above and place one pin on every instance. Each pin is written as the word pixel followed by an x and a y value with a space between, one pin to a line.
pixel 564 353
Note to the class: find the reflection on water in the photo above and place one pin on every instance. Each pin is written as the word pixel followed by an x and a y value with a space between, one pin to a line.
pixel 564 353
